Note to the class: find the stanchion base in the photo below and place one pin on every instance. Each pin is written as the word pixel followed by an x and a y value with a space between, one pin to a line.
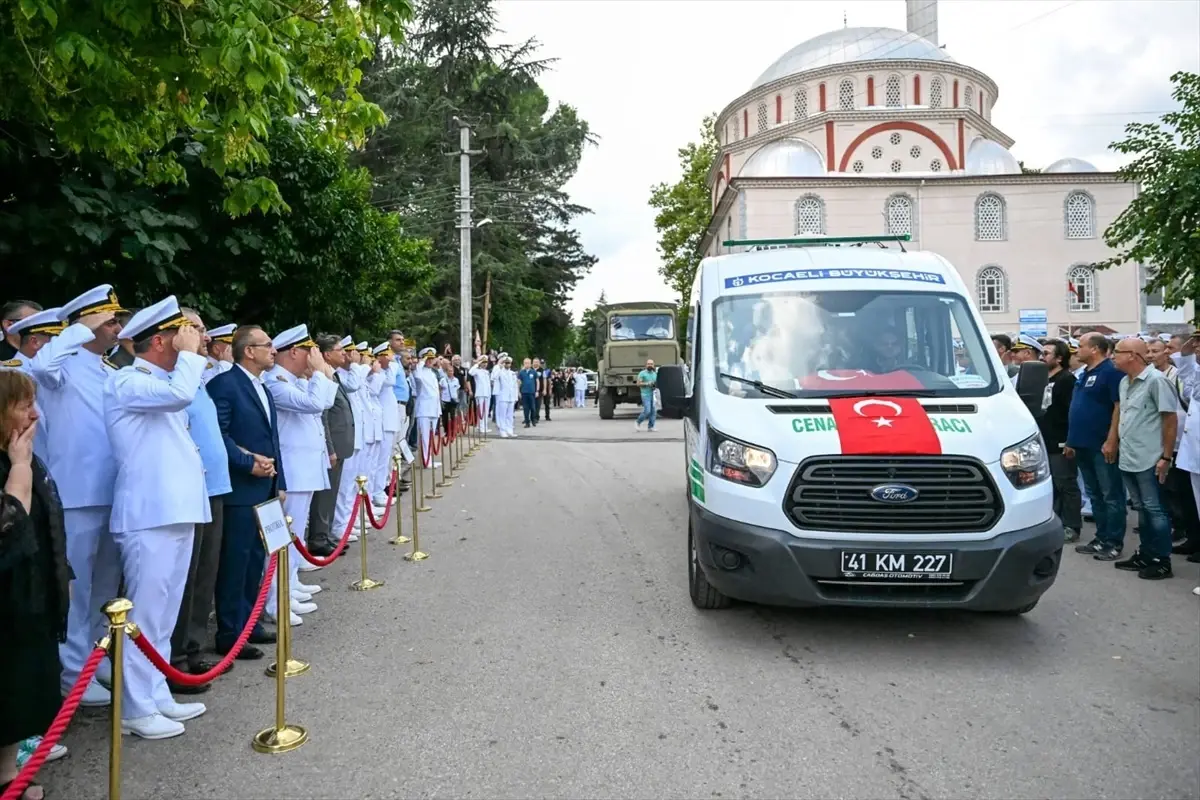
pixel 417 556
pixel 294 667
pixel 423 509
pixel 399 540
pixel 365 584
pixel 442 485
pixel 279 740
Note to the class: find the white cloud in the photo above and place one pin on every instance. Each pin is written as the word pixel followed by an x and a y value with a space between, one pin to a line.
pixel 644 74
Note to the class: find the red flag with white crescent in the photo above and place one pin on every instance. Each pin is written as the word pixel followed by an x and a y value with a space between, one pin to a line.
pixel 884 426
pixel 855 379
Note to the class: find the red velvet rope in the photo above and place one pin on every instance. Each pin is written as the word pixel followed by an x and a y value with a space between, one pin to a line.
pixel 318 561
pixel 57 727
pixel 187 679
pixel 387 511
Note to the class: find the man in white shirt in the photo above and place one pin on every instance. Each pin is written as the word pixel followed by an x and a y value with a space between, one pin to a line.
pixel 483 391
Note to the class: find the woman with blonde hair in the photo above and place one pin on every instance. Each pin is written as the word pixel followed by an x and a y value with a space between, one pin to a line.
pixel 34 580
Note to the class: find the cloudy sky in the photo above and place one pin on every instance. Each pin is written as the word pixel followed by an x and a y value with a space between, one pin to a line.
pixel 643 73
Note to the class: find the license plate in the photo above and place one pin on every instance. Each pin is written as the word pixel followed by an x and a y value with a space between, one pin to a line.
pixel 897 566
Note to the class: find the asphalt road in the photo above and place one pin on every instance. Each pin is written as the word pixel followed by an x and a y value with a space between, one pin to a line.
pixel 548 649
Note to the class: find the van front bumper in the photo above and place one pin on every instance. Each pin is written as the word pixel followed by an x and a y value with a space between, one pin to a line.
pixel 772 567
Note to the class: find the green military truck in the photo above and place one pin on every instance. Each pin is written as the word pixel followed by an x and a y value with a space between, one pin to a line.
pixel 629 334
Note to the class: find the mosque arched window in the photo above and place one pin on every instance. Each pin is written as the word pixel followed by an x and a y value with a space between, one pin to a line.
pixel 991 289
pixel 800 103
pixel 846 95
pixel 900 213
pixel 937 92
pixel 1079 216
pixel 1081 288
pixel 969 96
pixel 892 95
pixel 990 218
pixel 810 215
pixel 764 121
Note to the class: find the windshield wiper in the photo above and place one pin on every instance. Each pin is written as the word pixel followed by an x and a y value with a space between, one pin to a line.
pixel 885 393
pixel 765 388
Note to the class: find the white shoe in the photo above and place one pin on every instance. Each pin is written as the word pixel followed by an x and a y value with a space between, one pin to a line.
pixel 1196 590
pixel 155 726
pixel 95 696
pixel 637 426
pixel 293 619
pixel 57 752
pixel 380 500
pixel 307 567
pixel 378 511
pixel 300 597
pixel 352 537
pixel 104 673
pixel 304 608
pixel 437 465
pixel 309 588
pixel 181 712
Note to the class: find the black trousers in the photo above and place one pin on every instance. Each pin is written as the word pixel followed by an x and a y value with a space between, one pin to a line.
pixel 1180 503
pixel 191 628
pixel 1068 500
pixel 324 503
pixel 546 400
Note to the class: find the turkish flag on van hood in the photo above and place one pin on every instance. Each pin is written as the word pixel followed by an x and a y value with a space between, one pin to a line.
pixel 869 426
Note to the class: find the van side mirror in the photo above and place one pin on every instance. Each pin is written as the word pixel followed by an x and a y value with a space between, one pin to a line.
pixel 672 385
pixel 1032 380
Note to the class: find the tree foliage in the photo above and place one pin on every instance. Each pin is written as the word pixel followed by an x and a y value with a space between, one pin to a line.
pixel 334 262
pixel 684 210
pixel 123 79
pixel 448 68
pixel 1161 227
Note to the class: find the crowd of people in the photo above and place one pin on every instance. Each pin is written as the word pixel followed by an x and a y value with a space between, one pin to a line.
pixel 134 447
pixel 1121 422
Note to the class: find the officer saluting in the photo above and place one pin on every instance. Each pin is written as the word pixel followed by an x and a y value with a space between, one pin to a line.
pixel 33 334
pixel 220 351
pixel 71 371
pixel 158 500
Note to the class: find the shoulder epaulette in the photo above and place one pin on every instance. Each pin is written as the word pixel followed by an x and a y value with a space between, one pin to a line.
pixel 108 362
pixel 281 378
pixel 12 363
pixel 209 365
pixel 143 369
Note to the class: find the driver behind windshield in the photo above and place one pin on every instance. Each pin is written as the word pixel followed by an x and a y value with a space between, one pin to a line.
pixel 887 353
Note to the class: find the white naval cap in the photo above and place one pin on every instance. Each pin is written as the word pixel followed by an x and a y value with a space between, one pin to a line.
pixel 347 341
pixel 379 348
pixel 47 322
pixel 1072 343
pixel 223 333
pixel 1026 342
pixel 293 337
pixel 426 352
pixel 1165 337
pixel 159 318
pixel 101 300
pixel 502 356
pixel 362 347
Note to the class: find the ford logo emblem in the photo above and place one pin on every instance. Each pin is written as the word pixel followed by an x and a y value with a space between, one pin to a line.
pixel 894 493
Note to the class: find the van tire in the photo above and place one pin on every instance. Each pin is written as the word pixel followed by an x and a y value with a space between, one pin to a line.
pixel 607 403
pixel 1016 612
pixel 703 594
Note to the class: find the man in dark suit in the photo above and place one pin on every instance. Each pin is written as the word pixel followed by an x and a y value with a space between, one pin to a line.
pixel 339 440
pixel 249 426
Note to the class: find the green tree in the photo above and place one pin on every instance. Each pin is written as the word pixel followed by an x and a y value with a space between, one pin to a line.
pixel 1028 170
pixel 1160 228
pixel 447 68
pixel 684 210
pixel 125 78
pixel 335 262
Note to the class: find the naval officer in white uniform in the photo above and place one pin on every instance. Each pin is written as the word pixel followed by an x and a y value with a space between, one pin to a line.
pixel 220 351
pixel 427 403
pixel 71 372
pixel 302 386
pixel 506 391
pixel 390 416
pixel 483 391
pixel 33 334
pixel 158 499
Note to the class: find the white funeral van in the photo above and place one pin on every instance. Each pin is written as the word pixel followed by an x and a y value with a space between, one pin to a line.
pixel 853 439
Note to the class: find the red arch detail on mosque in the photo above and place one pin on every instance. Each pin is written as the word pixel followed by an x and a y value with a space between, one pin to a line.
pixel 899 125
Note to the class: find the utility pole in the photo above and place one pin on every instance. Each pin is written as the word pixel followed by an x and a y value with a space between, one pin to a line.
pixel 464 232
pixel 487 307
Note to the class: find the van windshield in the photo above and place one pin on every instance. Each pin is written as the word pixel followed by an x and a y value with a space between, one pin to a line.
pixel 826 344
pixel 640 326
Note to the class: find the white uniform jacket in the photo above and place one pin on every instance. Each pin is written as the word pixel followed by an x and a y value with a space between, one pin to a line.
pixel 215 368
pixel 427 399
pixel 505 385
pixel 386 397
pixel 41 443
pixel 160 477
pixel 71 384
pixel 299 404
pixel 483 382
pixel 1188 458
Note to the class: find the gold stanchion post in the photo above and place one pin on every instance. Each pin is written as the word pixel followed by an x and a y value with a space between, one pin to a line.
pixel 456 447
pixel 399 538
pixel 447 456
pixel 117 611
pixel 415 554
pixel 283 608
pixel 418 500
pixel 433 493
pixel 364 583
pixel 281 737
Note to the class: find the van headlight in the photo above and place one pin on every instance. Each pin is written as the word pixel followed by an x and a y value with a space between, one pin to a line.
pixel 1026 464
pixel 739 462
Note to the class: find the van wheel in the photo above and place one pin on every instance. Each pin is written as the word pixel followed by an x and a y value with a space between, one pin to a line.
pixel 1016 612
pixel 703 595
pixel 607 403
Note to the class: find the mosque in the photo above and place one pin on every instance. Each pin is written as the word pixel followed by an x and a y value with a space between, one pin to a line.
pixel 868 131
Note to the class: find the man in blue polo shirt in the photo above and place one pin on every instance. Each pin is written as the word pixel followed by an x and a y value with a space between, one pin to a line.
pixel 1092 439
pixel 527 378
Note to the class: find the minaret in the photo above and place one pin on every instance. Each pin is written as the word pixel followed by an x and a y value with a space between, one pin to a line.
pixel 922 19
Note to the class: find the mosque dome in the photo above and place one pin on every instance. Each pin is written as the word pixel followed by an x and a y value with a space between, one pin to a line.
pixel 985 157
pixel 1071 165
pixel 848 45
pixel 785 158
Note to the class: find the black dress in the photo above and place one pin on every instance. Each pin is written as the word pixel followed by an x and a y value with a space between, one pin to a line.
pixel 34 583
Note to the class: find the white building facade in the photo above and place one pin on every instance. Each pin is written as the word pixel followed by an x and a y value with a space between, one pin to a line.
pixel 868 131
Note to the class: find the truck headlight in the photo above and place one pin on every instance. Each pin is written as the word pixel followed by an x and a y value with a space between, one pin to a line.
pixel 1026 464
pixel 739 462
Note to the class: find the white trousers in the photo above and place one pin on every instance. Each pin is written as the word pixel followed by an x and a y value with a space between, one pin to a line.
pixel 426 430
pixel 346 492
pixel 295 506
pixel 482 404
pixel 580 397
pixel 93 555
pixel 505 410
pixel 382 471
pixel 156 564
pixel 401 441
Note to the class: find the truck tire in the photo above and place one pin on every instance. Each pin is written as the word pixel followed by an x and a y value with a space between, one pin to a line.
pixel 703 594
pixel 607 403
